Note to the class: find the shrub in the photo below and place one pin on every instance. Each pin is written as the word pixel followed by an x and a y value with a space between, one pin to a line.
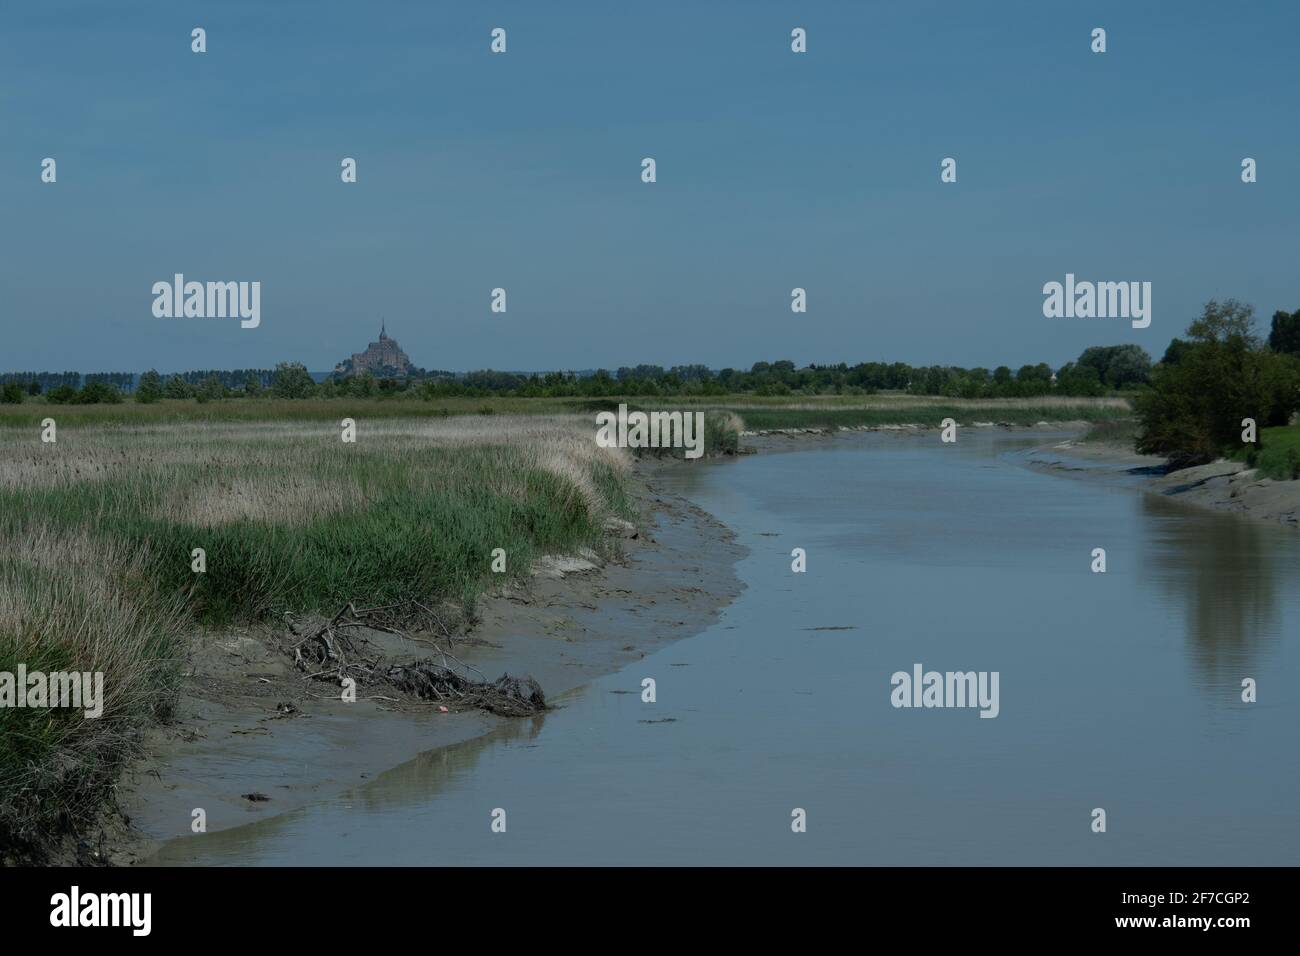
pixel 150 389
pixel 95 393
pixel 292 380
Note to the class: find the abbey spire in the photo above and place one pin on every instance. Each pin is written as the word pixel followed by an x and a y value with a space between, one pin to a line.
pixel 382 358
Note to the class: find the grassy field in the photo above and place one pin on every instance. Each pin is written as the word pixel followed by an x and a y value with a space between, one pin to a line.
pixel 758 413
pixel 254 410
pixel 97 532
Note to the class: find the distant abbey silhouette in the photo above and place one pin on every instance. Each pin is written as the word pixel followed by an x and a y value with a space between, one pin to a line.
pixel 378 358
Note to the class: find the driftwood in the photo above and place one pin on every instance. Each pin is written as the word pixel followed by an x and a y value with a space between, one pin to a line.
pixel 336 650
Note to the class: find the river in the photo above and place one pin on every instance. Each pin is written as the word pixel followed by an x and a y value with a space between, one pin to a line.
pixel 1119 691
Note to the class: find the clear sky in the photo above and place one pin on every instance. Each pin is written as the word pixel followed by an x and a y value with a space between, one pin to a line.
pixel 522 170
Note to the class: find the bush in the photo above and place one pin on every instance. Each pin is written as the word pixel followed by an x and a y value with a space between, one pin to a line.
pixel 177 387
pixel 1118 366
pixel 292 380
pixel 95 393
pixel 210 389
pixel 11 394
pixel 150 388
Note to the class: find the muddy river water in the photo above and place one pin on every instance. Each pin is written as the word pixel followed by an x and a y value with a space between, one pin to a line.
pixel 1120 691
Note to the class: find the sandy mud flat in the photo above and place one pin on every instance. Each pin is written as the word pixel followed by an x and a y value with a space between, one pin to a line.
pixel 1222 485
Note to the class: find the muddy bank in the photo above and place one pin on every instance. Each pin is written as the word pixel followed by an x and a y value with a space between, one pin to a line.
pixel 1226 486
pixel 253 738
pixel 906 428
pixel 1223 485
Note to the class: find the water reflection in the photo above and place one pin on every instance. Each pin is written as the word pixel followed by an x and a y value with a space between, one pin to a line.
pixel 439 770
pixel 1223 570
pixel 407 786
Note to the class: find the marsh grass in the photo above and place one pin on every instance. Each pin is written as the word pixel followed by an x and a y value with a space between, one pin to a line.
pixel 722 430
pixel 97 531
pixel 261 410
pixel 1278 454
pixel 73 602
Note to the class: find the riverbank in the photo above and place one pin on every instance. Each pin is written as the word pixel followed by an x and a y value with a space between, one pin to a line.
pixel 247 722
pixel 148 553
pixel 912 427
pixel 1224 486
pixel 893 411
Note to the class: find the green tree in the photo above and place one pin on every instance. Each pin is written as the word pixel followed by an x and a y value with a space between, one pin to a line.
pixel 11 393
pixel 1285 333
pixel 1118 366
pixel 1076 378
pixel 95 393
pixel 211 389
pixel 177 387
pixel 364 384
pixel 292 380
pixel 149 389
pixel 1193 411
pixel 1174 352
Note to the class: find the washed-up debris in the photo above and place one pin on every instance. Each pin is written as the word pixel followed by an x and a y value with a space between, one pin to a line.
pixel 336 650
pixel 507 696
pixel 255 797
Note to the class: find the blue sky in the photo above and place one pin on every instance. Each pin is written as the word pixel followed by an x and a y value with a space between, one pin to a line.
pixel 522 170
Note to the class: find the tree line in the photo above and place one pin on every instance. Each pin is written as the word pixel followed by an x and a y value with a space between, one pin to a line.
pixel 1097 371
pixel 1190 405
